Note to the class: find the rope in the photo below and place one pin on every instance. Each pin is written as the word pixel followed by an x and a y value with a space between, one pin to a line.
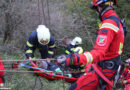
pixel 22 60
pixel 18 67
pixel 23 71
pixel 22 63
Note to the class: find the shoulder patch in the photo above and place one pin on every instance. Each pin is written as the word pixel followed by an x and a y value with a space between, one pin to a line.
pixel 104 31
pixel 101 40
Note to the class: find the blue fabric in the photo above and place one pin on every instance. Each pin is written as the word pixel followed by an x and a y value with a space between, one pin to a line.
pixel 70 46
pixel 27 66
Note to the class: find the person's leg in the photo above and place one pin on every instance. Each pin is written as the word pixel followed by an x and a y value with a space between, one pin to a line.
pixel 108 87
pixel 86 82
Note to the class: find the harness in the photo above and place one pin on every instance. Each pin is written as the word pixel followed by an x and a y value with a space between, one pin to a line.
pixel 101 75
pixel 112 64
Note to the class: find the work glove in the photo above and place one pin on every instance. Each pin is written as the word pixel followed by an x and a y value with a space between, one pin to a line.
pixel 72 59
pixel 68 60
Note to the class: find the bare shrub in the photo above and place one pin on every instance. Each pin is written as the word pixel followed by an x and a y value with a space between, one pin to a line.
pixel 25 15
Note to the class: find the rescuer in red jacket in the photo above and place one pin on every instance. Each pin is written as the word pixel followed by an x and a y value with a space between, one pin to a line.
pixel 125 77
pixel 2 81
pixel 105 54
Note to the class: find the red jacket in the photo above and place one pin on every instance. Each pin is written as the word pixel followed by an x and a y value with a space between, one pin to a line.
pixel 126 74
pixel 109 42
pixel 1 67
pixel 2 72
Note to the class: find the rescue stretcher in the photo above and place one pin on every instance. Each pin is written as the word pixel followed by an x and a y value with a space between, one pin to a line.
pixel 52 75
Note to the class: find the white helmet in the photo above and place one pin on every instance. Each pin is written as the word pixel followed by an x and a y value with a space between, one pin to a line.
pixel 43 34
pixel 127 62
pixel 76 41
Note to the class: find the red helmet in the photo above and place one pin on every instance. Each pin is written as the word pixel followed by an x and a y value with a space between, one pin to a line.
pixel 95 3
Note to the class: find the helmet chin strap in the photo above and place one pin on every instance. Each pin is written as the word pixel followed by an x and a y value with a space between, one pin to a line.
pixel 104 10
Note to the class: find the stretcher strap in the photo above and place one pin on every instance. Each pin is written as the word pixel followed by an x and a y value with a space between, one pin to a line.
pixel 101 75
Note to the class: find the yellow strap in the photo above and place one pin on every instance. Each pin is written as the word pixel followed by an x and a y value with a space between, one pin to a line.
pixel 110 26
pixel 72 49
pixel 120 48
pixel 83 70
pixel 29 44
pixel 80 49
pixel 51 52
pixel 67 52
pixel 29 51
pixel 52 46
pixel 109 3
pixel 99 25
pixel 88 57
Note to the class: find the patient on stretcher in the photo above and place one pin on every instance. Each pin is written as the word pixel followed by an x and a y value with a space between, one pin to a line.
pixel 50 66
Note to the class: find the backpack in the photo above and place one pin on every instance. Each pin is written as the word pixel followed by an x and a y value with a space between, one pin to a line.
pixel 117 20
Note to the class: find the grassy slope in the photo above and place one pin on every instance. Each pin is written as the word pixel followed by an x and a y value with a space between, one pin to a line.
pixel 25 81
